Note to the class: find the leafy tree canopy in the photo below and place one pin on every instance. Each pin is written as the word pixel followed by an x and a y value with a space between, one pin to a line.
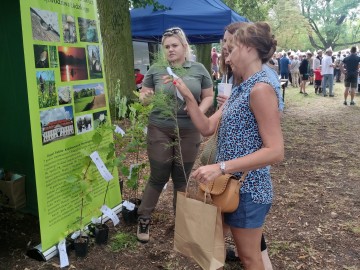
pixel 331 22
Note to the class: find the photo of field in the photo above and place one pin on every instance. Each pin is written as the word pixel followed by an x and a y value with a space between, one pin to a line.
pixel 45 81
pixel 89 97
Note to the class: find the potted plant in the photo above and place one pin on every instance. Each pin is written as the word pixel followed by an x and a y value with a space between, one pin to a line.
pixel 82 182
pixel 131 165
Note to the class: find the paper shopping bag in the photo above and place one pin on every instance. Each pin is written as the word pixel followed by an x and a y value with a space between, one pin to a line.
pixel 199 232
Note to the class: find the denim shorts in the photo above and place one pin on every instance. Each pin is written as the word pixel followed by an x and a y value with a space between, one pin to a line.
pixel 248 215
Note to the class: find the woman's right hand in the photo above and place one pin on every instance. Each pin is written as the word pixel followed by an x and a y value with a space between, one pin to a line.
pixel 221 99
pixel 145 94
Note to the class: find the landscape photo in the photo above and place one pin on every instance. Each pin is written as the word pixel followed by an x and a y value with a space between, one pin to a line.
pixel 44 25
pixel 89 97
pixel 57 124
pixel 45 81
pixel 72 63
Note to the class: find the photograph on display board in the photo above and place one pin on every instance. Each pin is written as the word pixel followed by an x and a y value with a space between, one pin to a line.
pixel 45 25
pixel 41 56
pixel 57 124
pixel 84 124
pixel 88 31
pixel 89 97
pixel 69 29
pixel 99 118
pixel 45 81
pixel 94 62
pixel 72 64
pixel 53 57
pixel 64 94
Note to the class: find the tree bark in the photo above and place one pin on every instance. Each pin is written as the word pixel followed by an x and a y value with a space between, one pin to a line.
pixel 203 55
pixel 115 27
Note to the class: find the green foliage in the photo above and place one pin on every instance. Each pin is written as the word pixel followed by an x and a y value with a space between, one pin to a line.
pixel 120 102
pixel 289 26
pixel 82 180
pixel 252 10
pixel 122 241
pixel 144 3
pixel 132 144
pixel 331 22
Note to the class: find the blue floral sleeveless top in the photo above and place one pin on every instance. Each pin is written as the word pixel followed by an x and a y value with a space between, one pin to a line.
pixel 238 136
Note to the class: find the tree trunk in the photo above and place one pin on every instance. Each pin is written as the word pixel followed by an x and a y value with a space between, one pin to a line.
pixel 153 51
pixel 117 47
pixel 203 55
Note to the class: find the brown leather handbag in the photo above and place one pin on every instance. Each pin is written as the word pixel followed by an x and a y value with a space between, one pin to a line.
pixel 224 191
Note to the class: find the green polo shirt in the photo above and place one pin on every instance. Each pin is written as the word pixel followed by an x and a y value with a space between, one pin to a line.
pixel 196 78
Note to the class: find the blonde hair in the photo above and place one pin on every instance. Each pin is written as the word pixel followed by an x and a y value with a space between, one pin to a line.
pixel 178 33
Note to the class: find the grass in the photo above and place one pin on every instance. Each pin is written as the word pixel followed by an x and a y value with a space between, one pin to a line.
pixel 81 103
pixel 123 241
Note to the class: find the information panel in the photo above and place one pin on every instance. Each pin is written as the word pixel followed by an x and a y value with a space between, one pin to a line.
pixel 67 101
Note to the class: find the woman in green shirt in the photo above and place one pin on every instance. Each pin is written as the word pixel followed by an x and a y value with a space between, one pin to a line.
pixel 163 151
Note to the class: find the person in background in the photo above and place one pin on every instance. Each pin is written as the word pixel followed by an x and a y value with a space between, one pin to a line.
pixel 311 73
pixel 317 60
pixel 273 63
pixel 249 137
pixel 215 63
pixel 318 80
pixel 284 68
pixel 138 79
pixel 163 152
pixel 351 70
pixel 304 70
pixel 327 70
pixel 337 67
pixel 294 70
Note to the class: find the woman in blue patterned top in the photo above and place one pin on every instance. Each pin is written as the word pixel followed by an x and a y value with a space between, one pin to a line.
pixel 249 138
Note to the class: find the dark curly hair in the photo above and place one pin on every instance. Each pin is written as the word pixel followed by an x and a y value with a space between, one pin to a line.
pixel 257 35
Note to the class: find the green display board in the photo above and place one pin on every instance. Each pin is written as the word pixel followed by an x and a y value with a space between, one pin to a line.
pixel 62 99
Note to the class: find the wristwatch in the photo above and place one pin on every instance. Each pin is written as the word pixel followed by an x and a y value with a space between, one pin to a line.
pixel 222 167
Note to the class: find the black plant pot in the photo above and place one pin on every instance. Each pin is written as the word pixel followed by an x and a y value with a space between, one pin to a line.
pixel 81 246
pixel 101 234
pixel 130 216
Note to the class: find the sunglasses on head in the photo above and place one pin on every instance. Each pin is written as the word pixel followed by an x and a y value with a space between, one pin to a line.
pixel 171 32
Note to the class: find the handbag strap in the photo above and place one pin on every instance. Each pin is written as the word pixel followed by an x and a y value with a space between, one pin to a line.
pixel 215 136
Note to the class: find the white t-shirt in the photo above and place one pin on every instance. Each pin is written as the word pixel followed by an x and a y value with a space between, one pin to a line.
pixel 326 67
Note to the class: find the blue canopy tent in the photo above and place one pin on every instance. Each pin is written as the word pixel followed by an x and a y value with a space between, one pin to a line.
pixel 202 20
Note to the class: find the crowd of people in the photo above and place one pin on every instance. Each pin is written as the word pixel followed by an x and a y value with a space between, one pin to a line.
pixel 321 69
